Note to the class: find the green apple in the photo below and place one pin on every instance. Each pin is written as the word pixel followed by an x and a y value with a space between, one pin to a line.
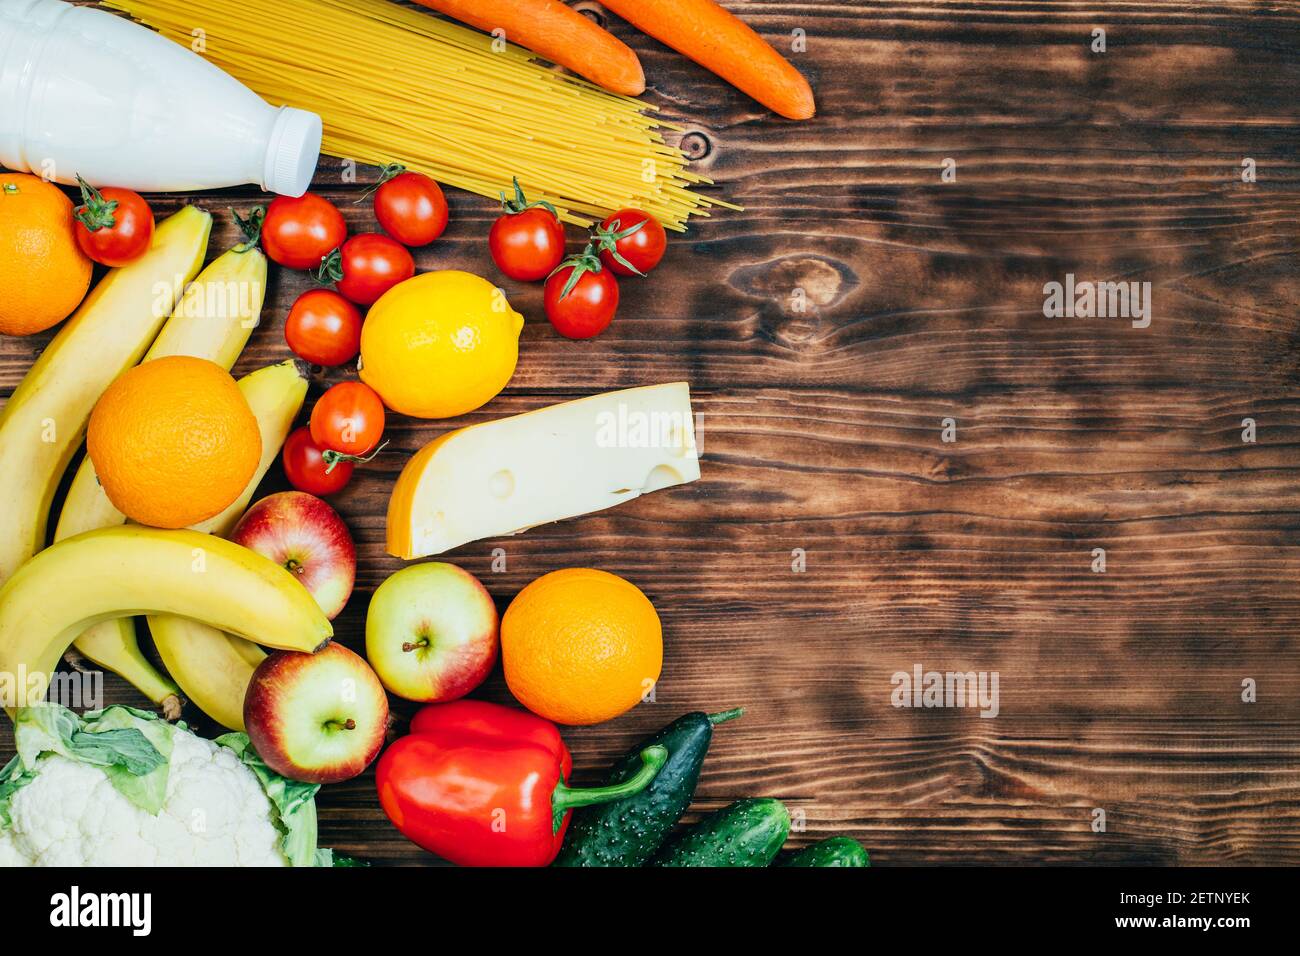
pixel 432 632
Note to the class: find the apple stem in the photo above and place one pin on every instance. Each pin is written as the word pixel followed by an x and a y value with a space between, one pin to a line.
pixel 422 642
pixel 293 566
pixel 348 724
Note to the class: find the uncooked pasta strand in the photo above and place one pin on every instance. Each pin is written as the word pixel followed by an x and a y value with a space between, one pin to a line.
pixel 394 84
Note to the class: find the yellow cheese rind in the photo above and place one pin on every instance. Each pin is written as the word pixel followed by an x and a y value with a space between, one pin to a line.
pixel 559 462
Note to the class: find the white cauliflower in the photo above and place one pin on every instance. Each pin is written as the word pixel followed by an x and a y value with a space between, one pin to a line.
pixel 147 794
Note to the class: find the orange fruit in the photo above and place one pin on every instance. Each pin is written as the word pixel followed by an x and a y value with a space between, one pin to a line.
pixel 173 441
pixel 580 646
pixel 44 274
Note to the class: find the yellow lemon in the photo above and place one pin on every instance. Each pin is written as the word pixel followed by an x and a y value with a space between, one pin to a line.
pixel 440 344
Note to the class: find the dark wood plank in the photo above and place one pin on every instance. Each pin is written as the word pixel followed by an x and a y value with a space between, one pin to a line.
pixel 822 431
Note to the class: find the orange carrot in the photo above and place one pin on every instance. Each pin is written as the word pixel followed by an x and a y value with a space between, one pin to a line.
pixel 721 42
pixel 557 32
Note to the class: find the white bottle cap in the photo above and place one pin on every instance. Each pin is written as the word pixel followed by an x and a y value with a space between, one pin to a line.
pixel 292 152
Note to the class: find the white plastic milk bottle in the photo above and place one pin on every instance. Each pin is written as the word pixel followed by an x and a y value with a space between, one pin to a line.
pixel 84 92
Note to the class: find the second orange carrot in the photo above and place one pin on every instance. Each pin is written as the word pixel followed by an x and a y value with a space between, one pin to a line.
pixel 557 32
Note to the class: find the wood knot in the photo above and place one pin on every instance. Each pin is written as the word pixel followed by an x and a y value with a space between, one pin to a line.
pixel 800 283
pixel 795 330
pixel 942 468
pixel 696 146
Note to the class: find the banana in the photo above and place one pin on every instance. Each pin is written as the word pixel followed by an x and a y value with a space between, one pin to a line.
pixel 136 570
pixel 218 311
pixel 118 650
pixel 44 420
pixel 275 394
pixel 213 320
pixel 212 668
pixel 246 649
pixel 86 507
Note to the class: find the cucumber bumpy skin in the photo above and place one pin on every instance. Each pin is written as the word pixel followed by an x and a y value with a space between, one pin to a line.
pixel 628 832
pixel 833 851
pixel 748 833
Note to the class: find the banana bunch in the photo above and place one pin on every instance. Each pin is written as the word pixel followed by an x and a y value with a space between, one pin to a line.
pixel 45 419
pixel 213 320
pixel 136 570
pixel 193 654
pixel 213 668
pixel 184 581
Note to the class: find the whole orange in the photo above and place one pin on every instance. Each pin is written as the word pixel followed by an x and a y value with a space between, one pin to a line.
pixel 44 274
pixel 173 441
pixel 580 646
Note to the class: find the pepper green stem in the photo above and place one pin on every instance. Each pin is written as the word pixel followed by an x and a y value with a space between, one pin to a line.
pixel 726 715
pixel 565 798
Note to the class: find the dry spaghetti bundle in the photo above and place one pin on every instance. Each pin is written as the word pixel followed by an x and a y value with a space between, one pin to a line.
pixel 394 84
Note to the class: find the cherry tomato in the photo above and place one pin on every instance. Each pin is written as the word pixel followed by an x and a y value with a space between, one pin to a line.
pixel 114 226
pixel 410 206
pixel 367 266
pixel 323 328
pixel 348 419
pixel 306 468
pixel 581 297
pixel 299 233
pixel 527 242
pixel 631 242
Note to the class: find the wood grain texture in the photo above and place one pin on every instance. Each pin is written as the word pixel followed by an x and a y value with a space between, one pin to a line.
pixel 829 329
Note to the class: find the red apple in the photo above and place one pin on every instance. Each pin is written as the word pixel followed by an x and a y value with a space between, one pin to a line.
pixel 320 718
pixel 432 632
pixel 300 532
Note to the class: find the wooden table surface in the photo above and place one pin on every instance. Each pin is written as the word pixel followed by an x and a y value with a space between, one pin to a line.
pixel 823 435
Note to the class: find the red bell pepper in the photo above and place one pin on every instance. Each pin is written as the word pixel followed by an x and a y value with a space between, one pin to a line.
pixel 484 786
pixel 494 720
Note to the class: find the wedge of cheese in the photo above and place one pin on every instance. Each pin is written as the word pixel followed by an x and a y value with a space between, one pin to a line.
pixel 510 475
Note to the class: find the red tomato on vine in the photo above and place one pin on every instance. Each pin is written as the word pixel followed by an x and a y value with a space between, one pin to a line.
pixel 581 296
pixel 631 242
pixel 367 266
pixel 410 206
pixel 299 232
pixel 527 241
pixel 114 226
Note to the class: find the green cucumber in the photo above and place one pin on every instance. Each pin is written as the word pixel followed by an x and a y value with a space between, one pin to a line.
pixel 833 851
pixel 747 833
pixel 627 832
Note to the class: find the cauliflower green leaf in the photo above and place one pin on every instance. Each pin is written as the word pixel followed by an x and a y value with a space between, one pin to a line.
pixel 13 778
pixel 293 800
pixel 133 749
pixel 114 740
